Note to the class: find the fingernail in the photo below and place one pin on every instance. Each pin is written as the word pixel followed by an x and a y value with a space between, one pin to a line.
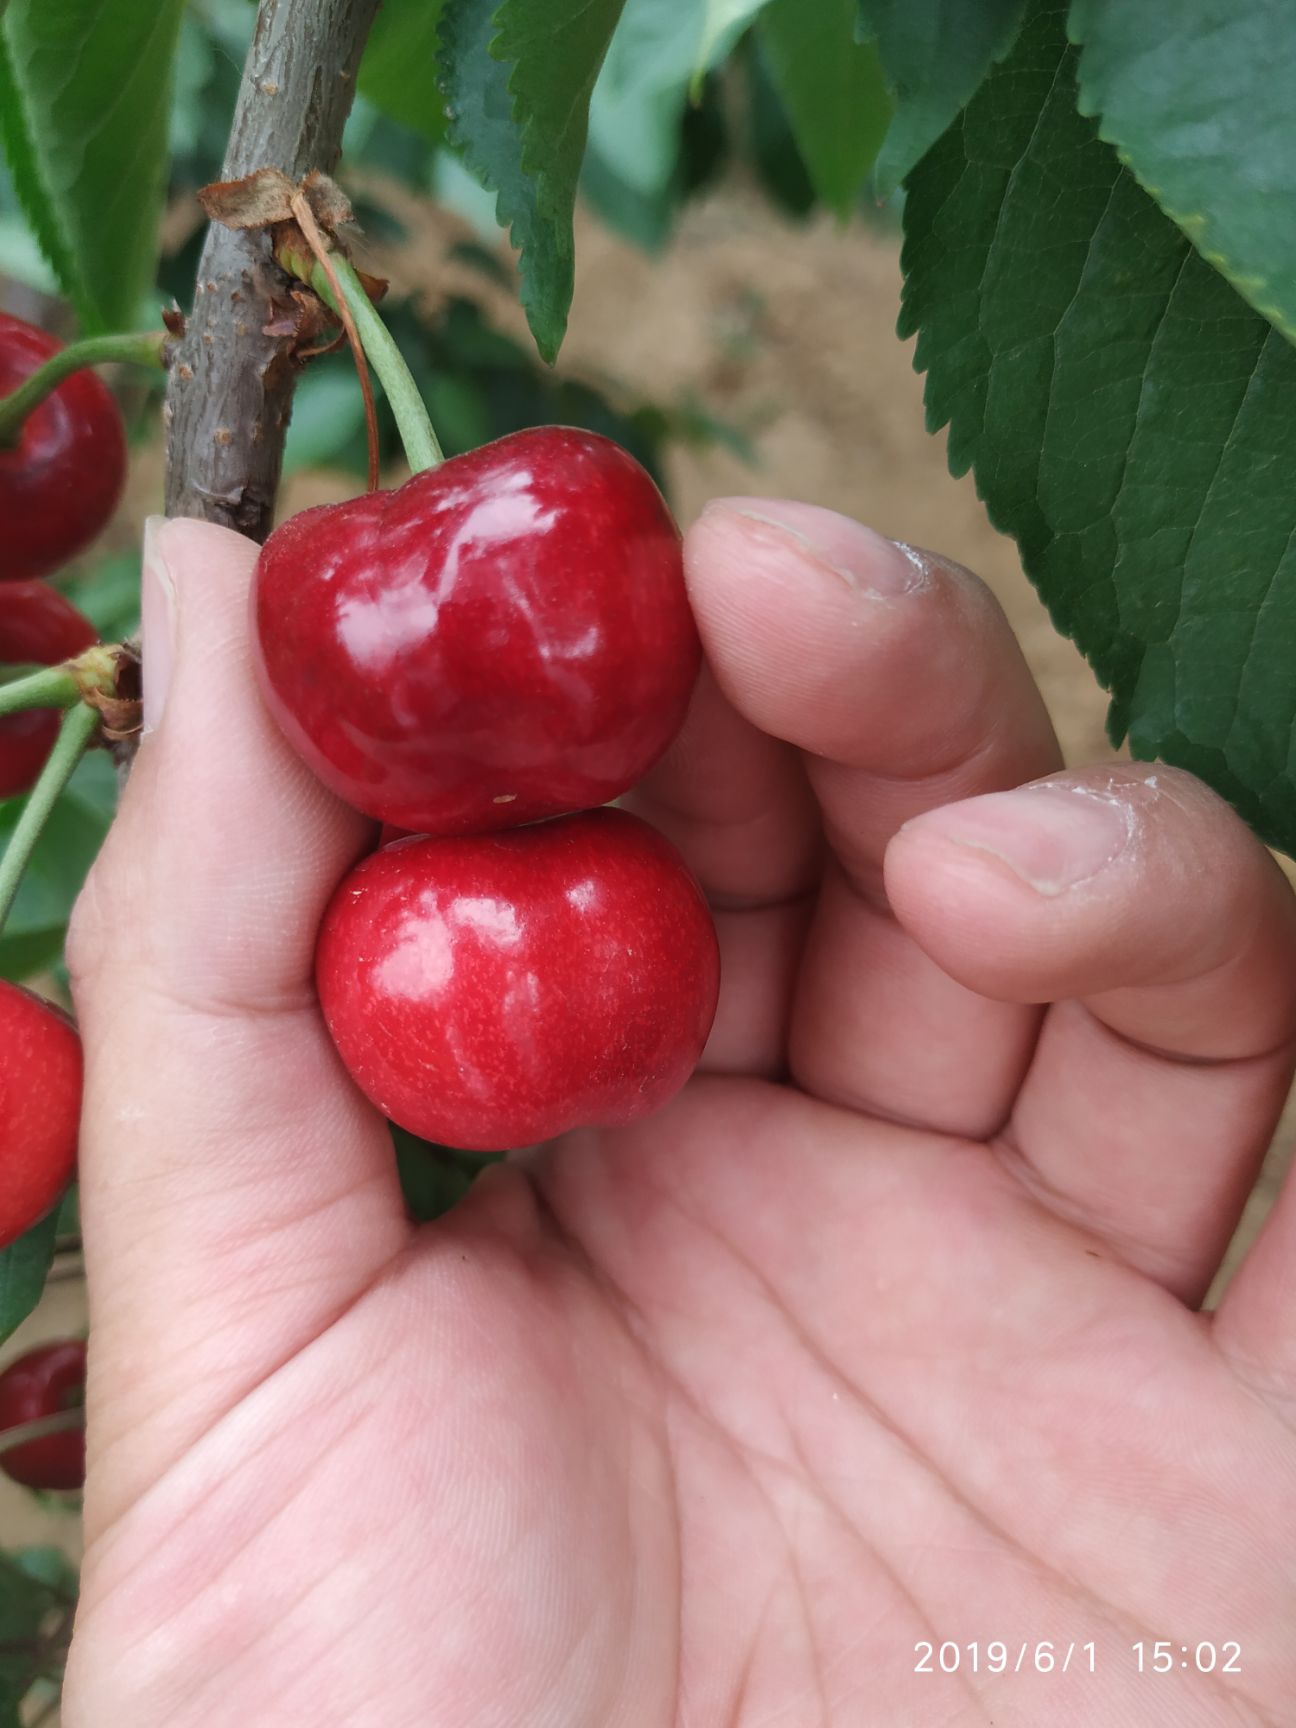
pixel 1053 837
pixel 158 610
pixel 863 560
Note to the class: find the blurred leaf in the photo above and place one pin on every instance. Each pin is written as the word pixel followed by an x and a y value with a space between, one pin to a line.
pixel 108 594
pixel 774 148
pixel 833 90
pixel 32 1587
pixel 1199 116
pixel 21 257
pixel 399 70
pixel 660 49
pixel 84 106
pixel 1131 421
pixel 49 1568
pixel 35 929
pixel 328 412
pixel 723 22
pixel 23 1268
pixel 934 53
pixel 518 79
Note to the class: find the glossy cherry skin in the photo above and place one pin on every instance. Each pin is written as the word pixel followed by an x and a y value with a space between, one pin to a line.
pixel 60 482
pixel 492 991
pixel 38 627
pixel 41 1383
pixel 40 1108
pixel 504 638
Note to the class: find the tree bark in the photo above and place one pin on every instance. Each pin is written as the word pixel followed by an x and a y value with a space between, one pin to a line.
pixel 229 395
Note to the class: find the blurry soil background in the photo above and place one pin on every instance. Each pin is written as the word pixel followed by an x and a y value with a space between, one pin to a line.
pixel 787 332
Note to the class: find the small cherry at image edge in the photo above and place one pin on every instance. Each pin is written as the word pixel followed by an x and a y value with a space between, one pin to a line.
pixel 38 627
pixel 40 1108
pixel 43 1382
pixel 62 478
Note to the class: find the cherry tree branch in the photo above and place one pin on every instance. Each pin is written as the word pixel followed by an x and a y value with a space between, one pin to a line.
pixel 229 393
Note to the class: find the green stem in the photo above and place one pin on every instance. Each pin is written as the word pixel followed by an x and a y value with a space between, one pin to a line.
pixel 422 448
pixel 50 687
pixel 140 348
pixel 61 1422
pixel 78 728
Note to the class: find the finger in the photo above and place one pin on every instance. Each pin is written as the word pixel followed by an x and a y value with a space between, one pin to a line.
pixel 739 807
pixel 236 1191
pixel 1135 899
pixel 896 675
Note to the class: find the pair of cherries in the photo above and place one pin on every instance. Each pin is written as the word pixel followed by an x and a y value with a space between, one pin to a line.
pixel 60 480
pixel 484 659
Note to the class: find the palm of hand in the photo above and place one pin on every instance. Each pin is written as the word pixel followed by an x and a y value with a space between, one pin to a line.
pixel 648 1443
pixel 719 1420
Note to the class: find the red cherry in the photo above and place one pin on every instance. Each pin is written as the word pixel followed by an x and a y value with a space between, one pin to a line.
pixel 503 638
pixel 60 482
pixel 40 1108
pixel 41 1383
pixel 38 627
pixel 492 991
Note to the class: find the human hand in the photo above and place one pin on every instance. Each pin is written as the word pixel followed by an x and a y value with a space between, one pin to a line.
pixel 883 1333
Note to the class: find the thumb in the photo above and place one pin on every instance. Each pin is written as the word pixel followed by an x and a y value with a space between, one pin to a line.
pixel 225 1156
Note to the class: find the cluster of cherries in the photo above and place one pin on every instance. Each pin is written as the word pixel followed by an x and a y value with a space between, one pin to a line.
pixel 60 479
pixel 482 660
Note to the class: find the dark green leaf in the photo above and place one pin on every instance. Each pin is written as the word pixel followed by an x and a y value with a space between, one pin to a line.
pixel 434 1178
pixel 518 80
pixel 399 70
pixel 23 1267
pixel 1131 421
pixel 34 931
pixel 48 1568
pixel 84 109
pixel 32 1593
pixel 832 89
pixel 1202 114
pixel 775 153
pixel 934 54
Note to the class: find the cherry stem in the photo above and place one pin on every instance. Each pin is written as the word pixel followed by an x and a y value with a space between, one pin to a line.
pixel 422 448
pixel 141 348
pixel 337 299
pixel 49 687
pixel 61 1422
pixel 78 728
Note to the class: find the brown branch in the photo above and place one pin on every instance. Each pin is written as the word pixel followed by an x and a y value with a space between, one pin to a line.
pixel 229 393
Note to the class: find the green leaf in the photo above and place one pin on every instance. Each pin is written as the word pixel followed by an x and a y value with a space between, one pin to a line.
pixel 84 112
pixel 1202 115
pixel 934 53
pixel 23 1268
pixel 1130 420
pixel 398 73
pixel 660 49
pixel 33 1585
pixel 35 929
pixel 723 22
pixel 833 90
pixel 434 1178
pixel 518 79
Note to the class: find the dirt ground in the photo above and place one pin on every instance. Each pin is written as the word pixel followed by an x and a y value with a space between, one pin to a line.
pixel 787 331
